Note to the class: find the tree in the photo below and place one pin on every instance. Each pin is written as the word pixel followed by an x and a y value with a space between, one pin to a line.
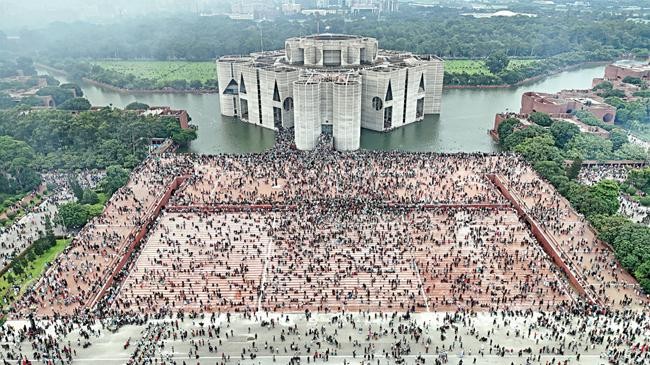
pixel 89 197
pixel 497 62
pixel 76 104
pixel 26 65
pixel 116 177
pixel 574 169
pixel 599 199
pixel 640 178
pixel 542 119
pixel 76 189
pixel 18 174
pixel 632 80
pixel 59 95
pixel 630 151
pixel 539 148
pixel 196 84
pixel 589 147
pixel 137 106
pixel 507 127
pixel 73 215
pixel 77 89
pixel 642 274
pixel 563 132
pixel 184 137
pixel 518 136
pixel 618 137
pixel 6 101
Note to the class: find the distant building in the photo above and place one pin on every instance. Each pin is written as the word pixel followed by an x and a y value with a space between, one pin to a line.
pixel 333 6
pixel 330 79
pixel 567 102
pixel 164 111
pixel 619 71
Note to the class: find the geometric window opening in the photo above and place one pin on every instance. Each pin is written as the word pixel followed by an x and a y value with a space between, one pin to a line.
pixel 242 85
pixel 232 88
pixel 276 92
pixel 288 104
pixel 389 93
pixel 421 88
pixel 377 104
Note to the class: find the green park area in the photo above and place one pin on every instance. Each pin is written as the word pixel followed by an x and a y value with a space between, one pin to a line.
pixel 15 281
pixel 478 67
pixel 163 70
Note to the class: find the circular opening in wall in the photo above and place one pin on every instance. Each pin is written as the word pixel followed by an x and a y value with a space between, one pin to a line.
pixel 608 118
pixel 377 103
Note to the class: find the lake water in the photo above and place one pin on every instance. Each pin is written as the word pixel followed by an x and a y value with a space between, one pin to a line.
pixel 466 116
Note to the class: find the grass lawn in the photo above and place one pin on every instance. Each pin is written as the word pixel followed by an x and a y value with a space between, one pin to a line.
pixel 477 67
pixel 32 273
pixel 203 71
pixel 163 70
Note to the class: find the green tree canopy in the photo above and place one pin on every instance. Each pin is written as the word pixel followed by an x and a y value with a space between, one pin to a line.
pixel 116 177
pixel 542 119
pixel 601 198
pixel 73 215
pixel 16 158
pixel 59 95
pixel 76 104
pixel 590 147
pixel 563 132
pixel 518 136
pixel 539 148
pixel 77 89
pixel 507 127
pixel 137 106
pixel 618 138
pixel 497 62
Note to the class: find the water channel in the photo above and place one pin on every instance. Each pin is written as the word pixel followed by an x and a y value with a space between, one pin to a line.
pixel 466 116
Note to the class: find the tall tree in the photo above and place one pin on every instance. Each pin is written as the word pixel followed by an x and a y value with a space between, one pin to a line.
pixel 497 62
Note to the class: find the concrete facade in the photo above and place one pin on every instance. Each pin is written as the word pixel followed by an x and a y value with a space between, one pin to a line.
pixel 330 79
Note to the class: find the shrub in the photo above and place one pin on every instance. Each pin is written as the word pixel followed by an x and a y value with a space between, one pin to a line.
pixel 645 201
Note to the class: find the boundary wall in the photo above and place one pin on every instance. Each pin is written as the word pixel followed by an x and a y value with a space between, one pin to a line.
pixel 548 243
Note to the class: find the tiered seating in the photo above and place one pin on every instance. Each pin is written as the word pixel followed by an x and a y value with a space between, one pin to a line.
pixel 79 273
pixel 483 261
pixel 227 180
pixel 342 263
pixel 194 262
pixel 587 257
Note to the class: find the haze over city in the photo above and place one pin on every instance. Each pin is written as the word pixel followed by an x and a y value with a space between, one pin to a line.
pixel 325 181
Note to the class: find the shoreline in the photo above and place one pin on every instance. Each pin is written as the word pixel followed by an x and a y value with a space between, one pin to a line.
pixel 448 87
pixel 530 79
pixel 123 90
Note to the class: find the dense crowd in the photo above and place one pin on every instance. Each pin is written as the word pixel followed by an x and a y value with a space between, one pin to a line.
pixel 331 232
pixel 571 333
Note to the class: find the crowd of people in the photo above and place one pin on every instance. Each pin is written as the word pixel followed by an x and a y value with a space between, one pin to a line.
pixel 571 334
pixel 15 239
pixel 334 260
pixel 353 231
pixel 79 273
pixel 589 259
pixel 594 173
pixel 330 232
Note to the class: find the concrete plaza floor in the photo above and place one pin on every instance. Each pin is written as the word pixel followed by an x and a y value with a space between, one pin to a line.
pixel 461 339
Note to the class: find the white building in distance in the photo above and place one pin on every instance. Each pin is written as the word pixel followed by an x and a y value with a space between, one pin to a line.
pixel 344 81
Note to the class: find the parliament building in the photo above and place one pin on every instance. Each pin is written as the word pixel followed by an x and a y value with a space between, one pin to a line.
pixel 344 81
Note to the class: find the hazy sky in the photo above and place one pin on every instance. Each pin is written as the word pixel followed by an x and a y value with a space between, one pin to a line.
pixel 15 14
